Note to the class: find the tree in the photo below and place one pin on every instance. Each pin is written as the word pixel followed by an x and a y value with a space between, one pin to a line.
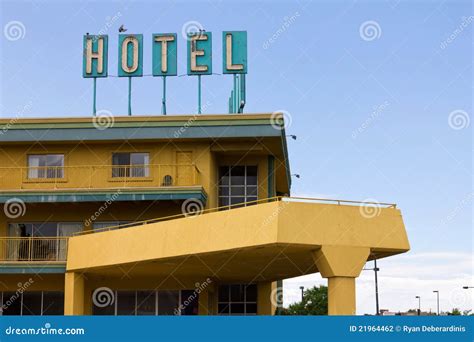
pixel 315 302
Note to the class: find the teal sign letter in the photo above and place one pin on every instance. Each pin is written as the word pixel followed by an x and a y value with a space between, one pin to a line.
pixel 165 55
pixel 95 54
pixel 200 53
pixel 234 52
pixel 130 62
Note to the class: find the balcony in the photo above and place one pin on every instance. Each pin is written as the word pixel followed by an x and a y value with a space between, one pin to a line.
pixel 98 176
pixel 33 249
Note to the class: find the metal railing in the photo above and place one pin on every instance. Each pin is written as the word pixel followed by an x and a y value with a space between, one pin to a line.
pixel 98 176
pixel 240 205
pixel 33 249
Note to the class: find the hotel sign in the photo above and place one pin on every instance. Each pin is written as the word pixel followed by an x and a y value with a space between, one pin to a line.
pixel 164 54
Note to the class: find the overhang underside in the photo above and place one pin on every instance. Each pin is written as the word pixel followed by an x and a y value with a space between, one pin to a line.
pixel 263 242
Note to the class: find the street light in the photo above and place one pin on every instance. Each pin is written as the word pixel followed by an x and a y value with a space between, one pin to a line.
pixel 468 287
pixel 375 269
pixel 302 292
pixel 437 297
pixel 419 305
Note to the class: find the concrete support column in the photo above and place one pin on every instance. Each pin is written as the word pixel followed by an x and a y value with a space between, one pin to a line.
pixel 74 300
pixel 208 300
pixel 341 265
pixel 266 298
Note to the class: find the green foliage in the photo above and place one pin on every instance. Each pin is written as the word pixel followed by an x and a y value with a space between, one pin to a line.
pixel 315 302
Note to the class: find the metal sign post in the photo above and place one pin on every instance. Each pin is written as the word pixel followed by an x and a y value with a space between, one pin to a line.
pixel 200 58
pixel 94 63
pixel 130 60
pixel 234 56
pixel 165 60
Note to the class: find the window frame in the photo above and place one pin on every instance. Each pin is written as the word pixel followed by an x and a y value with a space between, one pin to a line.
pixel 58 169
pixel 128 168
pixel 246 196
pixel 244 302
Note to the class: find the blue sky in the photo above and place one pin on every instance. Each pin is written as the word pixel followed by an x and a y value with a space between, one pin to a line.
pixel 372 113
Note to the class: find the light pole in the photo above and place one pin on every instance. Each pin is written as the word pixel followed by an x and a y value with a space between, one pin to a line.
pixel 302 292
pixel 419 305
pixel 375 269
pixel 437 297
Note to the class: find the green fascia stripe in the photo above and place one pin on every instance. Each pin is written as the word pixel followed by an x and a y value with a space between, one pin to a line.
pixel 190 122
pixel 32 269
pixel 130 133
pixel 102 197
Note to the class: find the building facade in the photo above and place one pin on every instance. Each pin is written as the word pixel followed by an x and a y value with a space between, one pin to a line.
pixel 170 215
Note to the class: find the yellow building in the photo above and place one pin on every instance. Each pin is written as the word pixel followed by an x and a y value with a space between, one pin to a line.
pixel 165 215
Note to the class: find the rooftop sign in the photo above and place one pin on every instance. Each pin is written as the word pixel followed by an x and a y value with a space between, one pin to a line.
pixel 165 60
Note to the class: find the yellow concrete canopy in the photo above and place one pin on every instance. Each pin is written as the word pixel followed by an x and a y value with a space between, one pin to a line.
pixel 263 242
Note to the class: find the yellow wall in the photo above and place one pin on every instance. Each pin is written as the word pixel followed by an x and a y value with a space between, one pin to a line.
pixel 206 157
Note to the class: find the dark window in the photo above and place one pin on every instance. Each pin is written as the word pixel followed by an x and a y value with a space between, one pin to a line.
pixel 189 302
pixel 130 165
pixel 53 303
pixel 31 304
pixel 146 303
pixel 237 299
pixel 11 304
pixel 126 302
pixel 237 184
pixel 168 302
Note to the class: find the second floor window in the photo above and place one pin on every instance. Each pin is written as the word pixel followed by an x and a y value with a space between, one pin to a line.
pixel 130 164
pixel 45 166
pixel 237 184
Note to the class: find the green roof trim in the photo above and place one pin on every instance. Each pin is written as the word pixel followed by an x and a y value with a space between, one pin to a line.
pixel 138 133
pixel 97 196
pixel 135 124
pixel 32 268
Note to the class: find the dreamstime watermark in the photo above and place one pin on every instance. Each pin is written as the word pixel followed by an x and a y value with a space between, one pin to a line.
pixel 46 330
pixel 109 22
pixel 103 120
pixel 180 131
pixel 273 216
pixel 281 119
pixel 377 111
pixel 192 207
pixel 370 30
pixel 21 288
pixel 103 208
pixel 276 297
pixel 14 30
pixel 185 302
pixel 287 22
pixel 370 208
pixel 191 28
pixel 27 107
pixel 103 296
pixel 14 208
pixel 466 21
pixel 459 119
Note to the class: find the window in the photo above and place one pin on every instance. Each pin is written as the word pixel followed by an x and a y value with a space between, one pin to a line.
pixel 237 299
pixel 130 165
pixel 46 249
pixel 149 302
pixel 237 184
pixel 32 303
pixel 44 166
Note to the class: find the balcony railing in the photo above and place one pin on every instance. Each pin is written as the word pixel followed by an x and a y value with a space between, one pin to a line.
pixel 98 176
pixel 33 249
